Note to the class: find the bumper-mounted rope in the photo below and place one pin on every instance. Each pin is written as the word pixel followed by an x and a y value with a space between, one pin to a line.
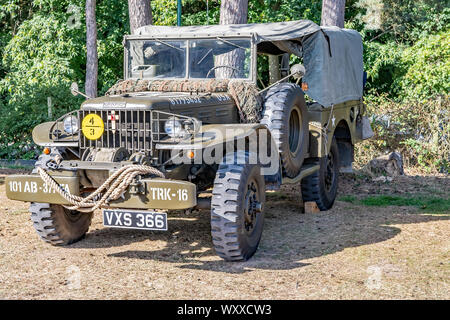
pixel 113 187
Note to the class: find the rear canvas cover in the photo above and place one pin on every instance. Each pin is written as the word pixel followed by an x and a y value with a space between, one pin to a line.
pixel 332 56
pixel 334 71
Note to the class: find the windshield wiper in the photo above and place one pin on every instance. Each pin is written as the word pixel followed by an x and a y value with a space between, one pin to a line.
pixel 203 58
pixel 167 44
pixel 223 40
pixel 229 42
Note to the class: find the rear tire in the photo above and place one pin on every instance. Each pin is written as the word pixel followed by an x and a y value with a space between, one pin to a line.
pixel 58 225
pixel 237 208
pixel 321 186
pixel 286 116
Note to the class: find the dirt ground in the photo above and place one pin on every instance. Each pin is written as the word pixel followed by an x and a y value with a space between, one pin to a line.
pixel 349 252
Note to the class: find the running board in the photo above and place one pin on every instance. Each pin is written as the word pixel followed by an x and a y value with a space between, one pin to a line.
pixel 306 170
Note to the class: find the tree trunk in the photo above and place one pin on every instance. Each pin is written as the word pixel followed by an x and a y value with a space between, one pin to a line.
pixel 274 69
pixel 91 48
pixel 140 13
pixel 231 12
pixel 333 12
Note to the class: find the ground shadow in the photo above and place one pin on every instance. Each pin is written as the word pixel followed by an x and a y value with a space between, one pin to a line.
pixel 286 240
pixel 289 237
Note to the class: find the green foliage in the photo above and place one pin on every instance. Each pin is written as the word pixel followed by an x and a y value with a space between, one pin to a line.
pixel 283 10
pixel 420 131
pixel 42 48
pixel 17 167
pixel 425 203
pixel 195 12
pixel 42 55
pixel 427 68
pixel 164 12
pixel 409 85
pixel 348 198
pixel 382 62
pixel 402 21
pixel 407 57
pixel 38 58
pixel 417 72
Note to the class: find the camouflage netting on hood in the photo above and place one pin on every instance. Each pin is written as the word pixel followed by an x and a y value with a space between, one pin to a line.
pixel 244 93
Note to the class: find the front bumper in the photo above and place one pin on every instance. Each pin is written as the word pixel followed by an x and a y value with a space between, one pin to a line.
pixel 158 193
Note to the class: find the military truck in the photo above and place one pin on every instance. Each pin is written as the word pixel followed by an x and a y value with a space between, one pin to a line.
pixel 193 126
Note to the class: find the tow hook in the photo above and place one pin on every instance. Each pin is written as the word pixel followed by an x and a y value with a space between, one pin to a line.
pixel 137 187
pixel 52 165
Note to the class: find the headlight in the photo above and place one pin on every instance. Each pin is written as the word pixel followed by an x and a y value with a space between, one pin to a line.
pixel 70 124
pixel 173 127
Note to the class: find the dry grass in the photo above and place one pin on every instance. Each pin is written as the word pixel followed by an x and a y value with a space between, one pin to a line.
pixel 419 131
pixel 349 252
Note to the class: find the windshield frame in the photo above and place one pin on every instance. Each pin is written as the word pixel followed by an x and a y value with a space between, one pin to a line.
pixel 253 54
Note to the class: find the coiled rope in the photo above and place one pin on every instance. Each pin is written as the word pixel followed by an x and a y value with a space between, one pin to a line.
pixel 115 186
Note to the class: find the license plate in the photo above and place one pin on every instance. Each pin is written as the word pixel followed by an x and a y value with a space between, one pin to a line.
pixel 143 220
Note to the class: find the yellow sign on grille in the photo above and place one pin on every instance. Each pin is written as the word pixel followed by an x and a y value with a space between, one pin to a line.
pixel 92 126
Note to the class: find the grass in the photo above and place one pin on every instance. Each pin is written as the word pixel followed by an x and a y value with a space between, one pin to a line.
pixel 429 204
pixel 349 199
pixel 16 167
pixel 276 196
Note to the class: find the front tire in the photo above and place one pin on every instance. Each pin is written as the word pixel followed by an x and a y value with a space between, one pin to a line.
pixel 237 208
pixel 58 225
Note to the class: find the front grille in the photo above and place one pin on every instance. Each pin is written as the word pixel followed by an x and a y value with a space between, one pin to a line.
pixel 134 130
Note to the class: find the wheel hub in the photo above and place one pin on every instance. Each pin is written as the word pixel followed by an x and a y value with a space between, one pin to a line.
pixel 252 207
pixel 294 131
pixel 329 175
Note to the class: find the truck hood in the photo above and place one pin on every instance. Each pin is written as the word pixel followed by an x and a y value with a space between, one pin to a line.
pixel 164 101
pixel 209 108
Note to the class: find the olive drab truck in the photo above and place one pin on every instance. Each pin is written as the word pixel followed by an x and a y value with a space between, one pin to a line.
pixel 193 126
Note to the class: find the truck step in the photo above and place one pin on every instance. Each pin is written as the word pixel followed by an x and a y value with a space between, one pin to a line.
pixel 306 170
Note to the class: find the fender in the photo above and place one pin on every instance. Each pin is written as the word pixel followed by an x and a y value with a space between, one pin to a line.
pixel 222 138
pixel 213 135
pixel 319 118
pixel 42 138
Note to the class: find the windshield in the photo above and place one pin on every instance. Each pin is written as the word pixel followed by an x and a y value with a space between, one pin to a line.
pixel 157 59
pixel 218 58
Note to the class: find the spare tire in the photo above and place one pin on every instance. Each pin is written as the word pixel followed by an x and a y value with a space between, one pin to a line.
pixel 285 114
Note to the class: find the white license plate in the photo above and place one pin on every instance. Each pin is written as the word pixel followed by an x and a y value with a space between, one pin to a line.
pixel 130 219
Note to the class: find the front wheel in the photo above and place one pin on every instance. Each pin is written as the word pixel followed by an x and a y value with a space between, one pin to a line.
pixel 237 208
pixel 58 225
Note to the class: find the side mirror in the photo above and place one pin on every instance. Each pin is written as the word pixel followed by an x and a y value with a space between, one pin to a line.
pixel 74 89
pixel 298 71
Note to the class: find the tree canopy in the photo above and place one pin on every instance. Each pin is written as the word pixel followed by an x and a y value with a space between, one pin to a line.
pixel 43 49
